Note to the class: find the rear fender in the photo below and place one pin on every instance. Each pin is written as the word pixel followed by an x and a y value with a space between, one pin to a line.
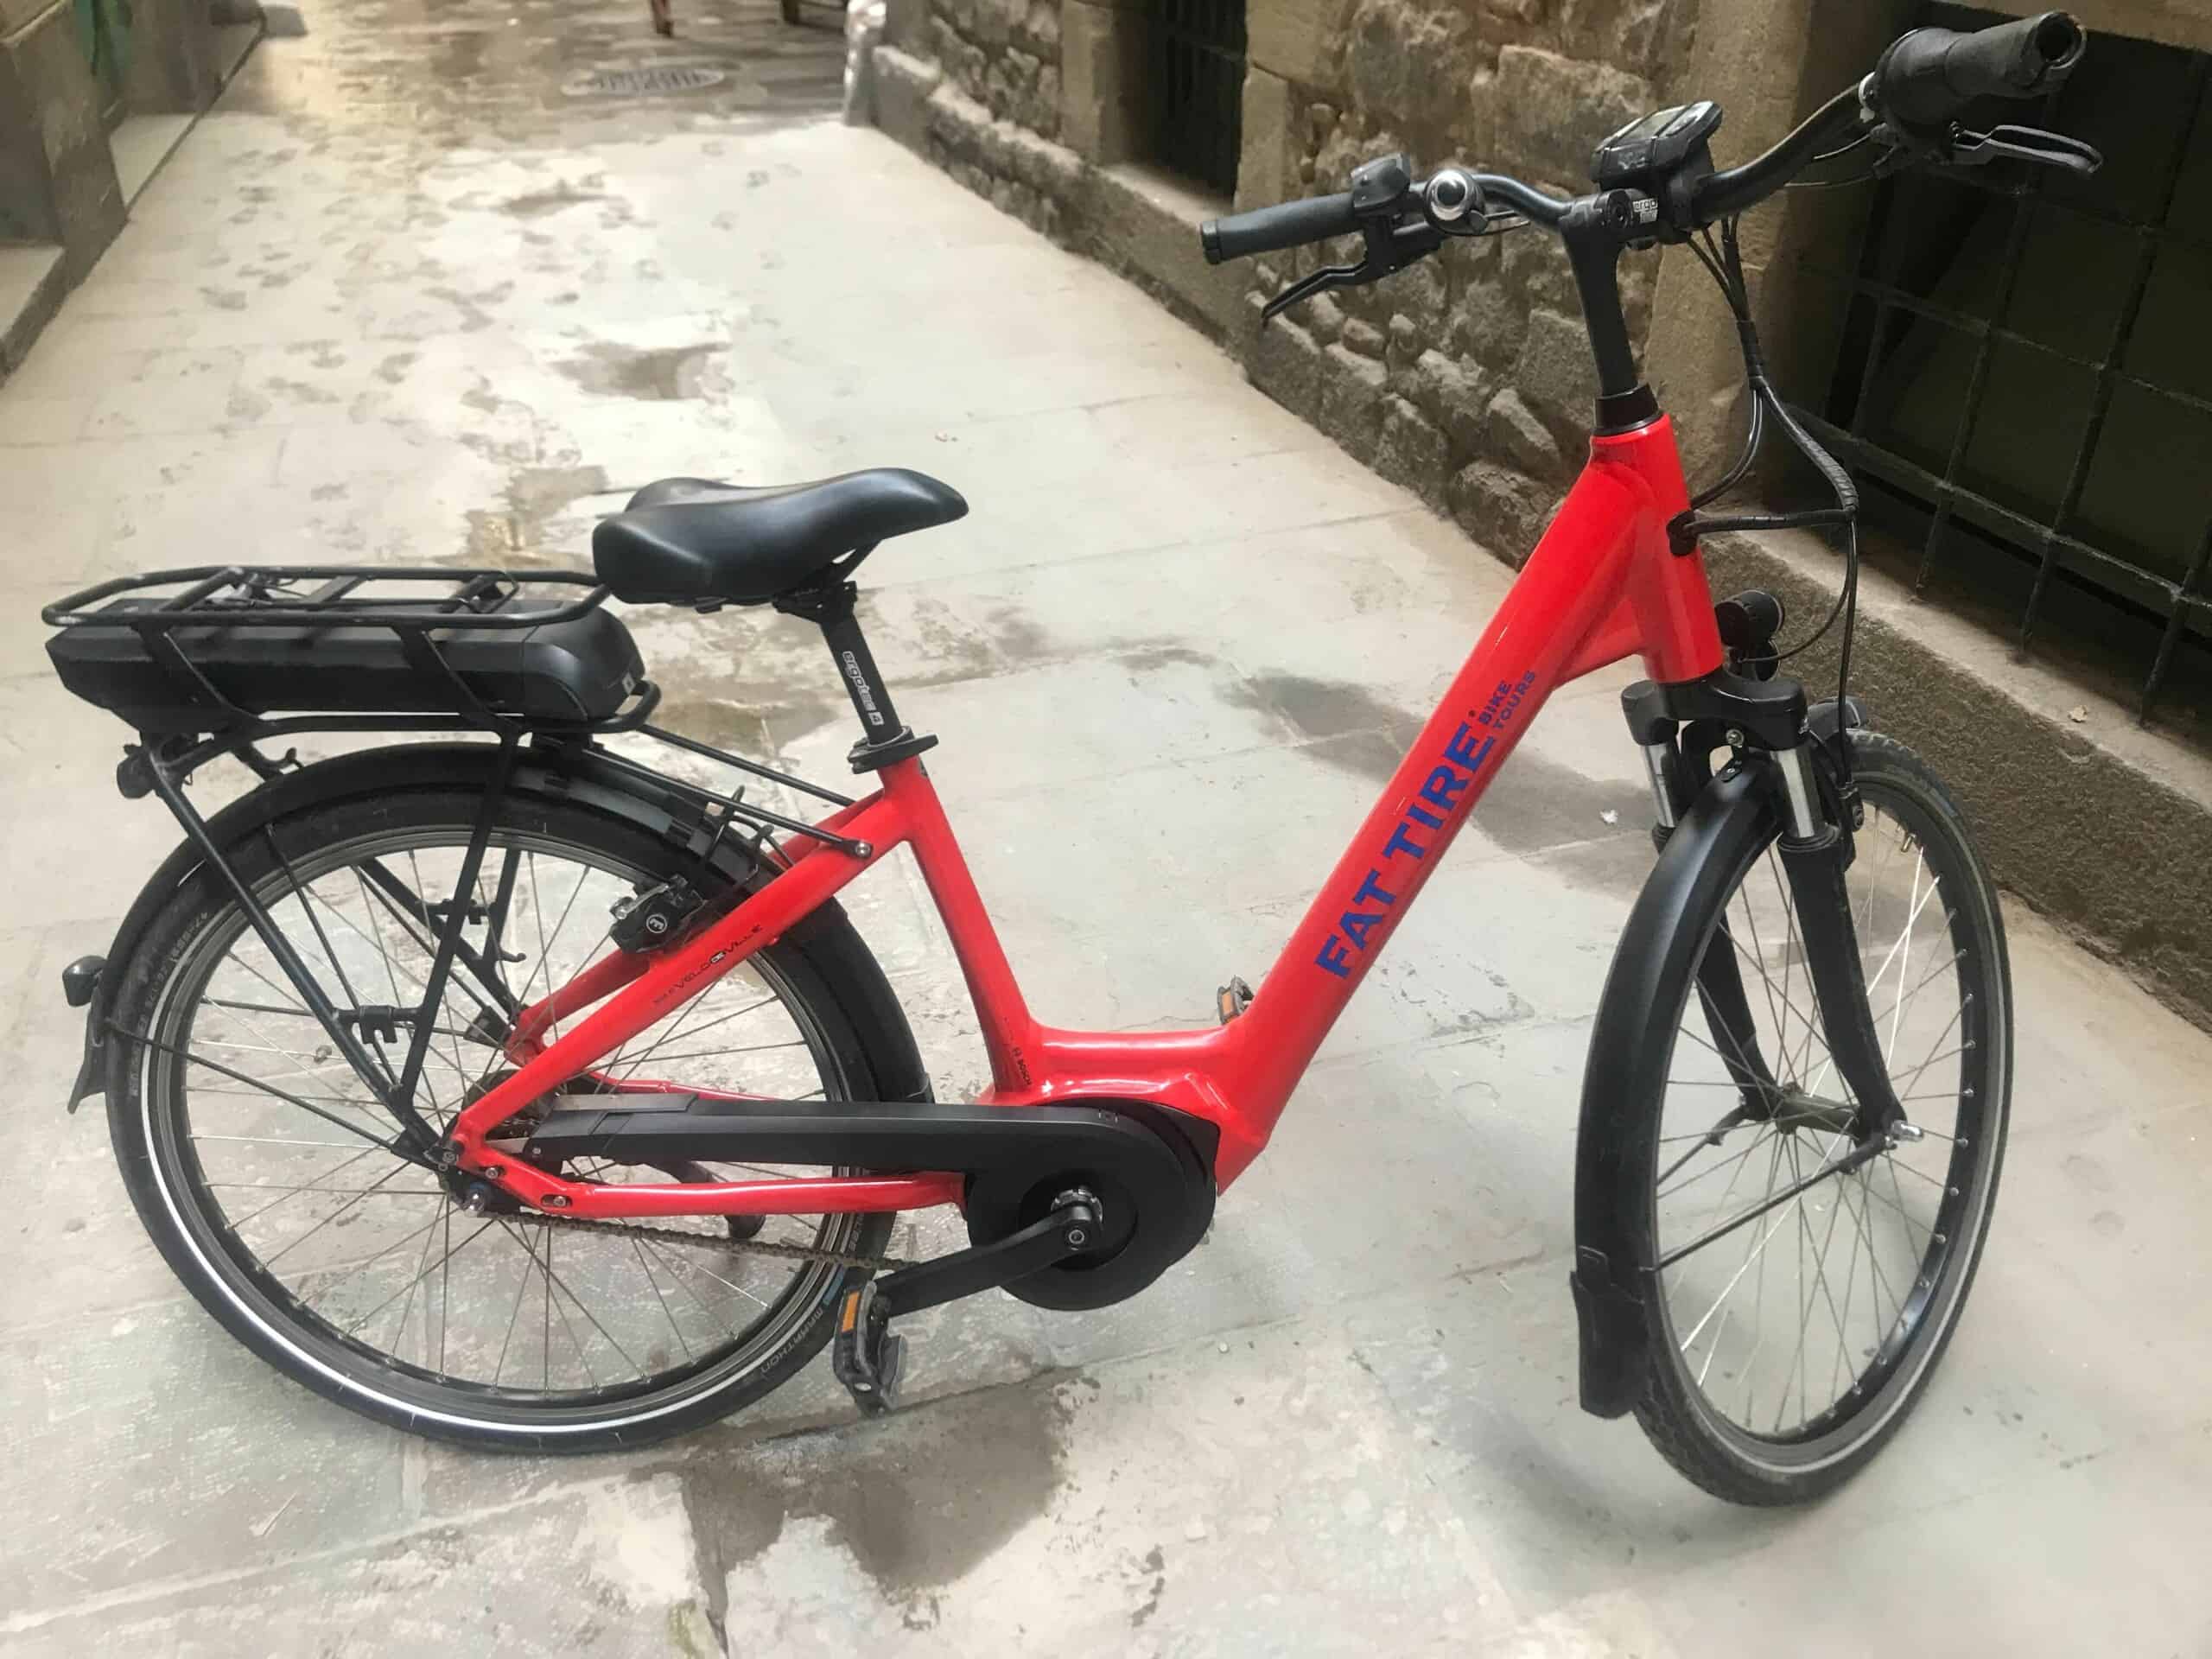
pixel 550 775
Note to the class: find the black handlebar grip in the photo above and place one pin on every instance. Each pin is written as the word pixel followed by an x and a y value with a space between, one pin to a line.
pixel 1929 75
pixel 1292 225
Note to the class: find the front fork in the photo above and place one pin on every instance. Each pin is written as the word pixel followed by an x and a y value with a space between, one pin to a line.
pixel 1766 723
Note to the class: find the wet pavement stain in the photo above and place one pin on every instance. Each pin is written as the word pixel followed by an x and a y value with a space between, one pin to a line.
pixel 919 1502
pixel 537 204
pixel 473 317
pixel 1147 659
pixel 516 534
pixel 299 392
pixel 665 374
pixel 1019 637
pixel 739 729
pixel 1535 803
pixel 1320 708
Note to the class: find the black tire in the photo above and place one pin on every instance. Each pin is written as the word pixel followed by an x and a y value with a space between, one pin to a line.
pixel 822 977
pixel 1718 1436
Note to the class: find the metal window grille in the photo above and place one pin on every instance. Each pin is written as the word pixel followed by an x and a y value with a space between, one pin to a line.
pixel 1196 88
pixel 2027 362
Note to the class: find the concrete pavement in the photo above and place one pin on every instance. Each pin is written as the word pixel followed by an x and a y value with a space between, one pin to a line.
pixel 402 297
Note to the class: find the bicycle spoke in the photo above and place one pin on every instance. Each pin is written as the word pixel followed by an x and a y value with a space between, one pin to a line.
pixel 569 1290
pixel 1850 1288
pixel 670 1264
pixel 1708 1174
pixel 1788 1006
pixel 514 1315
pixel 290 1099
pixel 361 1266
pixel 1904 960
pixel 338 1168
pixel 422 1272
pixel 1758 1291
pixel 1759 1251
pixel 429 1013
pixel 365 1243
pixel 652 1050
pixel 738 1289
pixel 1766 984
pixel 646 1268
pixel 1819 1272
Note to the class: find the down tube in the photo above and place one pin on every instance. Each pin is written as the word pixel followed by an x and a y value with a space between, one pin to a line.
pixel 1570 582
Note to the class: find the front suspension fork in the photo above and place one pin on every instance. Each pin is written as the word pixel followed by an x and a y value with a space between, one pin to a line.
pixel 1818 810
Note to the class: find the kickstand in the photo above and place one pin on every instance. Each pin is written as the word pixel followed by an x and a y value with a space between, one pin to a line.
pixel 869 1358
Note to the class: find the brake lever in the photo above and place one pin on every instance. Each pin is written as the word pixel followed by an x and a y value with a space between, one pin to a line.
pixel 1389 248
pixel 1306 288
pixel 2030 144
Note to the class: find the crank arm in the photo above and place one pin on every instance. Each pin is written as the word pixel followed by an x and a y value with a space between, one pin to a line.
pixel 869 1359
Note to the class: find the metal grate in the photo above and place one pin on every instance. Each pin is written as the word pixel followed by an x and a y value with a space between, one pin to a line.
pixel 2024 362
pixel 1196 88
pixel 656 78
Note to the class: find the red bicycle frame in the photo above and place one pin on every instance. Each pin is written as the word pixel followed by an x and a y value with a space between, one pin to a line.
pixel 1603 583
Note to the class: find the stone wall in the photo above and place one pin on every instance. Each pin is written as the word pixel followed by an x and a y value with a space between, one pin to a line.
pixel 999 62
pixel 1466 377
pixel 1004 55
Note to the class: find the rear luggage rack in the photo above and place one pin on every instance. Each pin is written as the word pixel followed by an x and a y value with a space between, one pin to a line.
pixel 499 651
pixel 255 595
pixel 210 669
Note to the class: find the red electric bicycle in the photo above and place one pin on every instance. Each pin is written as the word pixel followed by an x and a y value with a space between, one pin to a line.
pixel 524 1093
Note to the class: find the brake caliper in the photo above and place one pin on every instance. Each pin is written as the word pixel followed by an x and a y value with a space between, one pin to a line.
pixel 655 917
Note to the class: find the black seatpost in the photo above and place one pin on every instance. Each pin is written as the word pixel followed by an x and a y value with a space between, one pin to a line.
pixel 883 737
pixel 832 608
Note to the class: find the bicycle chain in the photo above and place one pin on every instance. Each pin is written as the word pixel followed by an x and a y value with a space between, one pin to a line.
pixel 706 1240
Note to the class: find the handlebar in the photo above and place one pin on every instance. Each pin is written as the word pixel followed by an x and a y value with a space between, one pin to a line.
pixel 1290 224
pixel 1729 192
pixel 1294 224
pixel 1927 76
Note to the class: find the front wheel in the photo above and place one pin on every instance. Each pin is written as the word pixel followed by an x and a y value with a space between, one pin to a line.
pixel 1794 1317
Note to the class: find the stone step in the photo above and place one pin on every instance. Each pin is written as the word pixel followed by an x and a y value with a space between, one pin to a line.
pixel 30 288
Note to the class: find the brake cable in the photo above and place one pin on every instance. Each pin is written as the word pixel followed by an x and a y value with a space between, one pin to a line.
pixel 1724 263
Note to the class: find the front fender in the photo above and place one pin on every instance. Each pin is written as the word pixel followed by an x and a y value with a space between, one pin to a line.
pixel 1652 966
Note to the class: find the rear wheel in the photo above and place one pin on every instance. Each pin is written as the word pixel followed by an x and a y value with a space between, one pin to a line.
pixel 1790 1335
pixel 252 1150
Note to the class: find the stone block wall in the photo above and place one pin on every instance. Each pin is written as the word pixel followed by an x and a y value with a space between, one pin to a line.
pixel 1466 377
pixel 1004 55
pixel 999 62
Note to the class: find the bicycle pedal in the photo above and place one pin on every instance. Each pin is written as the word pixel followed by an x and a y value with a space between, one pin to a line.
pixel 1232 998
pixel 867 1356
